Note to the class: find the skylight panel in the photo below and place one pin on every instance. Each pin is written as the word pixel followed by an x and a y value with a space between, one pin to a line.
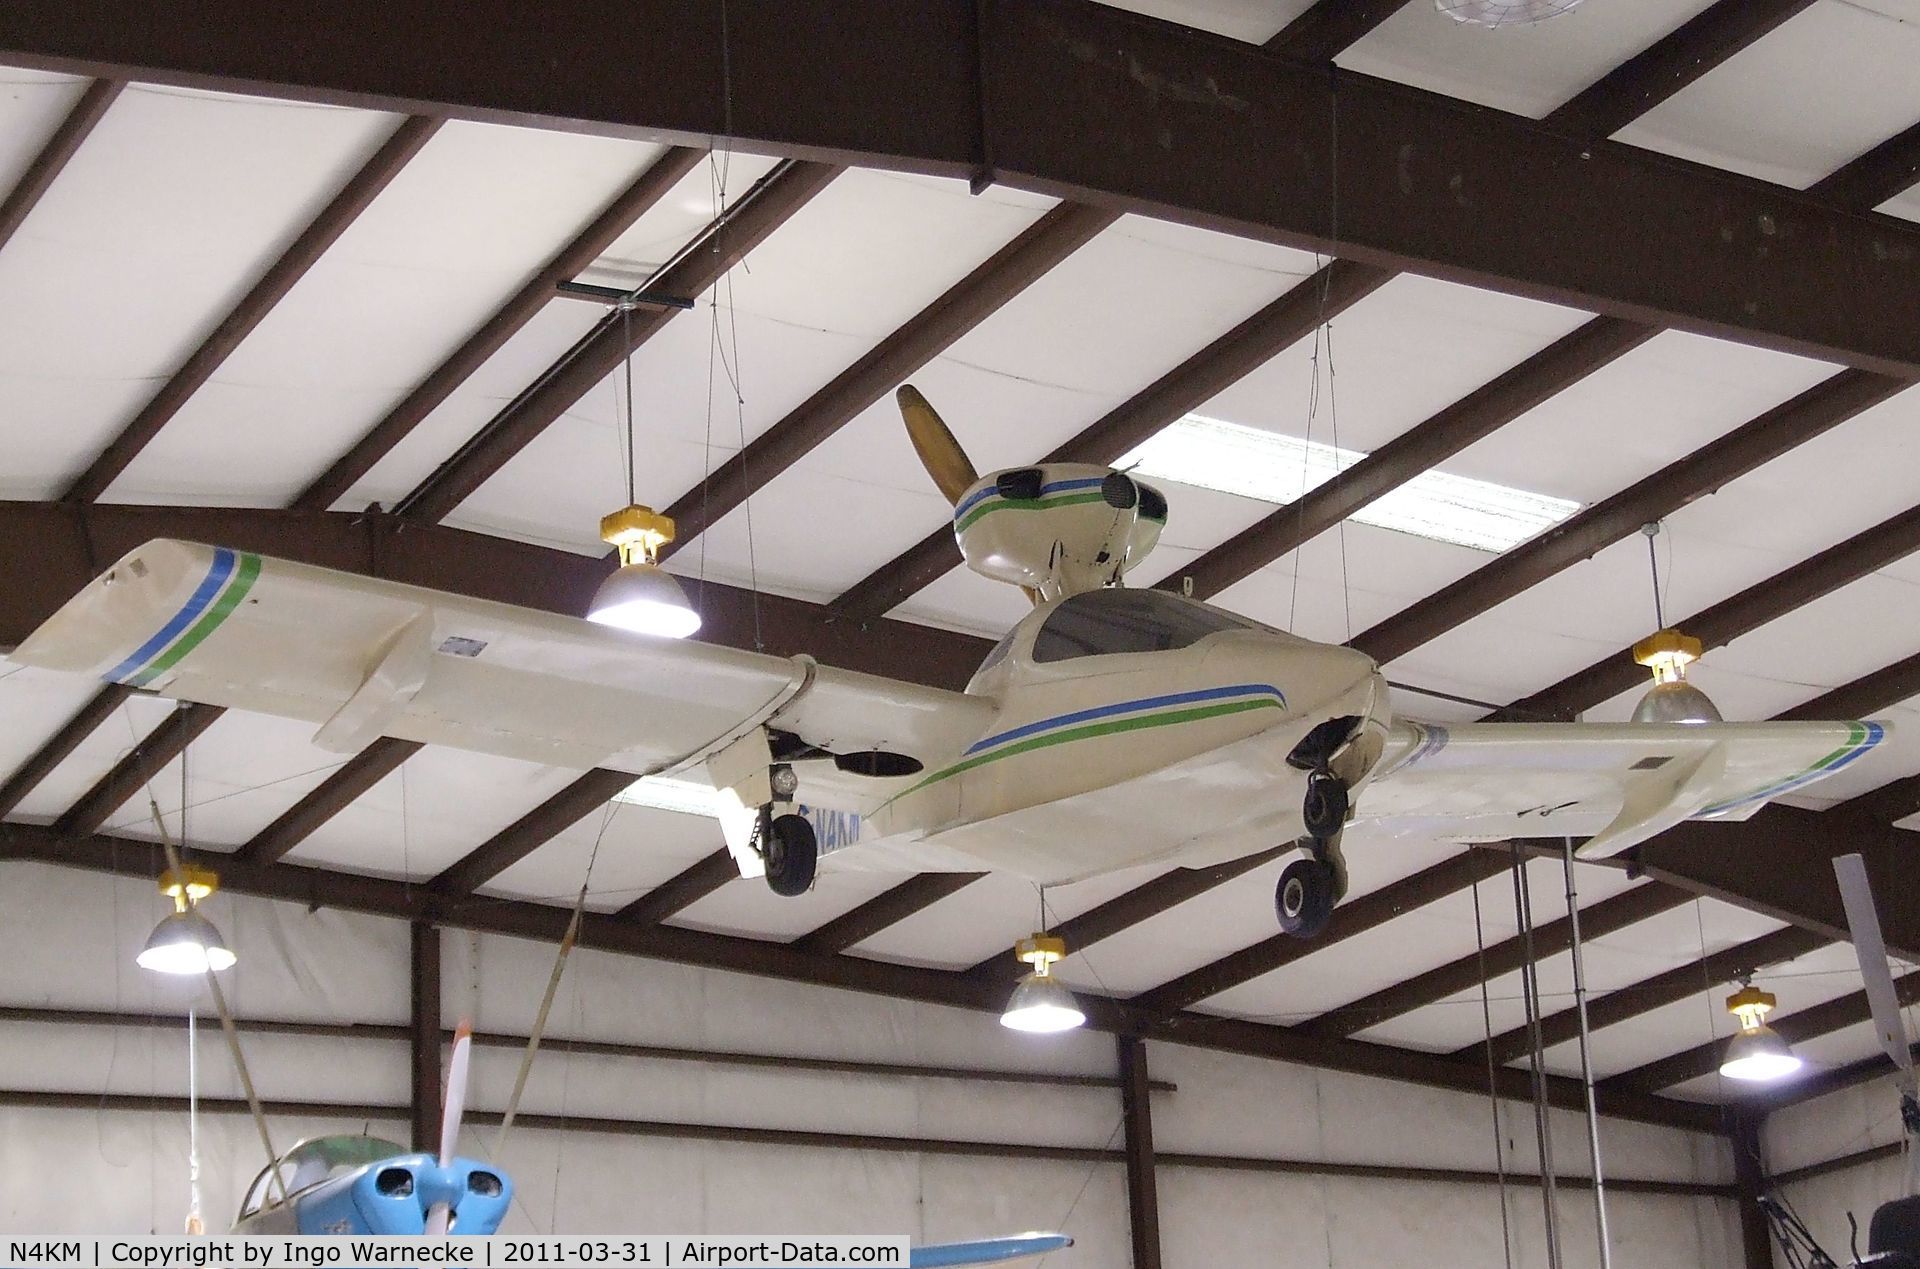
pixel 665 793
pixel 1254 463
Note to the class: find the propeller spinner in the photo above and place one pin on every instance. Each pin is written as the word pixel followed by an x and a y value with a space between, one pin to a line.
pixel 1053 529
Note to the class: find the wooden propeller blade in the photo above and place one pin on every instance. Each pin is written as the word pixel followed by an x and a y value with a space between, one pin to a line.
pixel 939 453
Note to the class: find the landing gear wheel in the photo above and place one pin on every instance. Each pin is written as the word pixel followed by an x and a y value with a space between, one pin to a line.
pixel 1325 806
pixel 1304 898
pixel 791 852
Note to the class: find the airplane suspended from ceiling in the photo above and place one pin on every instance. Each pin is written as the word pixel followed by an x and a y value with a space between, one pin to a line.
pixel 1110 728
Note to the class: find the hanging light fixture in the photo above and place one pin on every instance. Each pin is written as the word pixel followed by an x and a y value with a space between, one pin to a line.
pixel 640 595
pixel 1757 1051
pixel 1668 653
pixel 1042 1003
pixel 185 942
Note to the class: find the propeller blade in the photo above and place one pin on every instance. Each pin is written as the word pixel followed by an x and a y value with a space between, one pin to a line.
pixel 440 1215
pixel 939 453
pixel 1863 921
pixel 456 1102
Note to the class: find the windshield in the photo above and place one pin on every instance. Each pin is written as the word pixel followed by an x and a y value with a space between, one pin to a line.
pixel 1104 622
pixel 313 1161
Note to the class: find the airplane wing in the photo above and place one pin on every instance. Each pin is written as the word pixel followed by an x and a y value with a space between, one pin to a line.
pixel 359 658
pixel 1616 783
pixel 988 1251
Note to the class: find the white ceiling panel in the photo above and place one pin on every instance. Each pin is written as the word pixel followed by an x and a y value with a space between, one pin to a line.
pixel 665 227
pixel 1073 345
pixel 1230 917
pixel 1612 962
pixel 460 228
pixel 857 262
pixel 440 804
pixel 1250 21
pixel 987 917
pixel 36 704
pixel 1825 86
pixel 161 221
pixel 748 907
pixel 1527 70
pixel 630 848
pixel 92 758
pixel 33 104
pixel 1434 934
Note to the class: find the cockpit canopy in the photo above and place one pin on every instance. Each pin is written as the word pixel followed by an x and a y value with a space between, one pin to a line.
pixel 315 1160
pixel 1109 622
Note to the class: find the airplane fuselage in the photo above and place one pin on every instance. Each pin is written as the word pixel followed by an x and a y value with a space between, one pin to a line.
pixel 1150 729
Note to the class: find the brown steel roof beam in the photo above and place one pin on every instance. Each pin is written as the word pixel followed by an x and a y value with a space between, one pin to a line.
pixel 1473 417
pixel 1330 28
pixel 41 762
pixel 1187 386
pixel 126 777
pixel 1802 1024
pixel 333 795
pixel 1642 82
pixel 966 304
pixel 507 321
pixel 1887 170
pixel 1866 695
pixel 683 889
pixel 54 155
pixel 1437 984
pixel 1890 802
pixel 883 910
pixel 916 77
pixel 608 933
pixel 1819 409
pixel 1649 994
pixel 587 794
pixel 281 276
pixel 701 263
pixel 1449 876
pixel 1837 566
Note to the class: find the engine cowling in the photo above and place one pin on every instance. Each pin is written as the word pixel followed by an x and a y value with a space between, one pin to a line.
pixel 1058 528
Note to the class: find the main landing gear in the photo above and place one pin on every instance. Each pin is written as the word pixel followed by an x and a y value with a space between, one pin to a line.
pixel 787 843
pixel 1310 887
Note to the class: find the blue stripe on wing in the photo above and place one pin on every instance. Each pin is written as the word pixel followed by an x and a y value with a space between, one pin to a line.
pixel 988 1251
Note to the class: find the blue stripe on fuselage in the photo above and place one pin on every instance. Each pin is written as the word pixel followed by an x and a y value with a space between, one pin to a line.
pixel 1085 482
pixel 203 595
pixel 1129 707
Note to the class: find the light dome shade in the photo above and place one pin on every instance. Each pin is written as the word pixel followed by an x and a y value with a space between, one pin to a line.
pixel 1498 13
pixel 1042 1004
pixel 1676 701
pixel 645 599
pixel 1758 1054
pixel 185 943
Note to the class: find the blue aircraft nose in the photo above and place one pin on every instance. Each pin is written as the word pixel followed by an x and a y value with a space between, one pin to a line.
pixel 394 1196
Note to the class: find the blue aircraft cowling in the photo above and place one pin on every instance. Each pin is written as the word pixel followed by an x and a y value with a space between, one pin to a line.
pixel 392 1196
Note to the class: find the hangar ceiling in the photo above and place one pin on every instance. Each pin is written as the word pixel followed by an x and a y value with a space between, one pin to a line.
pixel 294 297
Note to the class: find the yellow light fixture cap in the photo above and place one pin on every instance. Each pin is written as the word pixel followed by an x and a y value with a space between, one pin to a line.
pixel 1040 950
pixel 638 532
pixel 188 885
pixel 1750 1005
pixel 1668 653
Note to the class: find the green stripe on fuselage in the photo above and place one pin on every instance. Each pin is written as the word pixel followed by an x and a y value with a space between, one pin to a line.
pixel 244 575
pixel 1087 732
pixel 997 503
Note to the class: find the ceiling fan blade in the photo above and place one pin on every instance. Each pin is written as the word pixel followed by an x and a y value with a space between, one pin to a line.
pixel 939 453
pixel 1863 921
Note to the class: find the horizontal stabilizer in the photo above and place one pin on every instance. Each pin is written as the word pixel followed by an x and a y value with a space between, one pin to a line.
pixel 988 1251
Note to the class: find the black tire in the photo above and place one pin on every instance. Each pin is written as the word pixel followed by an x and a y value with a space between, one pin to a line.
pixel 792 855
pixel 1304 898
pixel 1324 809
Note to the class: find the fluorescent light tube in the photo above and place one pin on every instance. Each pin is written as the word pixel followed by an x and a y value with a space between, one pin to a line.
pixel 1254 463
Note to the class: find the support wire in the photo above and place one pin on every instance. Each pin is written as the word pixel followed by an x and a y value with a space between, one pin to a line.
pixel 1586 1060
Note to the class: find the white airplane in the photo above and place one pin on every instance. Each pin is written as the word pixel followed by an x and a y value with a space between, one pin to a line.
pixel 1109 729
